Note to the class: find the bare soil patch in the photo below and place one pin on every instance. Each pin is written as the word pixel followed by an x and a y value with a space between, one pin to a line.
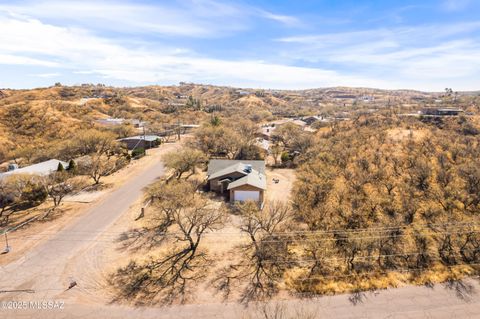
pixel 279 191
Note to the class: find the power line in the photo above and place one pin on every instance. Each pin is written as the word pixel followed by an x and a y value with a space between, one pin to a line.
pixel 115 239
pixel 407 270
pixel 286 233
pixel 293 261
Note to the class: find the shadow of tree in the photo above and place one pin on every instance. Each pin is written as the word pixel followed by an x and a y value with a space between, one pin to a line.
pixel 168 279
pixel 357 297
pixel 142 238
pixel 463 290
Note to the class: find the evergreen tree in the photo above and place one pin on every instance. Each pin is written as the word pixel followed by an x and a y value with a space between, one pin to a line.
pixel 72 166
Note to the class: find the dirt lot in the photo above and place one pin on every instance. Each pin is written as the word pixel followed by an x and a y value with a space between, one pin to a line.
pixel 279 191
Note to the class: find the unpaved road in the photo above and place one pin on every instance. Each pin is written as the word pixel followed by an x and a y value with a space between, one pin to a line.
pixel 73 252
pixel 43 269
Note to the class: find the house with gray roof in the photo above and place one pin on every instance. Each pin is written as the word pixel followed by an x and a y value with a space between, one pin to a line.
pixel 140 141
pixel 239 180
pixel 43 168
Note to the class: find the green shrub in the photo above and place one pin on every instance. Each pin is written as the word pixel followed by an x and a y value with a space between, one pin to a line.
pixel 72 166
pixel 138 152
pixel 285 157
pixel 33 193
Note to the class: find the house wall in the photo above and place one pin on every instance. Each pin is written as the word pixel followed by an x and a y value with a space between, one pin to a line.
pixel 216 186
pixel 246 188
pixel 137 144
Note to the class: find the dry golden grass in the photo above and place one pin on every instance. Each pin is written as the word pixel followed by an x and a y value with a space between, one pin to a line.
pixel 297 280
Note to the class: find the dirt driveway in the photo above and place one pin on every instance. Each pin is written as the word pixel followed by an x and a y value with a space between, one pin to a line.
pixel 279 191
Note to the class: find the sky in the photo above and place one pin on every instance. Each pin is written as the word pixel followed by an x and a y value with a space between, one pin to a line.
pixel 423 45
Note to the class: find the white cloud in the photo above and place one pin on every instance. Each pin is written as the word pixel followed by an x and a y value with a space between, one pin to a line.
pixel 428 57
pixel 284 19
pixel 9 59
pixel 45 75
pixel 424 57
pixel 455 5
pixel 84 53
pixel 187 18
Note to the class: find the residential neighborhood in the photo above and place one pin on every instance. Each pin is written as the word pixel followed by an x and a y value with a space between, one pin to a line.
pixel 140 141
pixel 239 159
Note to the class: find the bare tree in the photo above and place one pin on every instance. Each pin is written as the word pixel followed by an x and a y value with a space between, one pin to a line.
pixel 166 199
pixel 92 141
pixel 170 276
pixel 9 197
pixel 276 150
pixel 184 160
pixel 96 166
pixel 265 257
pixel 60 184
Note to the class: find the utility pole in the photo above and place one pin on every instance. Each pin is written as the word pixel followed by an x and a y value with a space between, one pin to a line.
pixel 178 128
pixel 144 140
pixel 7 247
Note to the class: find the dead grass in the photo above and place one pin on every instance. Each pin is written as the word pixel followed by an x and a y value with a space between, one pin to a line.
pixel 332 285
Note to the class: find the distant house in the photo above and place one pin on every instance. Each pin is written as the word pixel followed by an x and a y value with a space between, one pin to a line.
pixel 140 141
pixel 367 98
pixel 119 121
pixel 434 111
pixel 311 119
pixel 111 121
pixel 242 92
pixel 43 168
pixel 239 180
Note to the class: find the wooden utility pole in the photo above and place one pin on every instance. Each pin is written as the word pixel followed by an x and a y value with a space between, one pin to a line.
pixel 178 128
pixel 7 247
pixel 144 140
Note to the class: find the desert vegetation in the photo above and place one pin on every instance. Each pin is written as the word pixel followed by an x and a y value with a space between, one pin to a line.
pixel 379 202
pixel 382 197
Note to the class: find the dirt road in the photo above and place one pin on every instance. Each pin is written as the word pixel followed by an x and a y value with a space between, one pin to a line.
pixel 42 270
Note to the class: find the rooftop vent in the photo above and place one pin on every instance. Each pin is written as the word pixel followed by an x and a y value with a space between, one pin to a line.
pixel 248 168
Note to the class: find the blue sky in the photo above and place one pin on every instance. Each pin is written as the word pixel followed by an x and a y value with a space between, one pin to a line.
pixel 424 45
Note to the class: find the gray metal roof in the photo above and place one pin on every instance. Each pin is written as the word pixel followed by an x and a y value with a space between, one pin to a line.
pixel 254 179
pixel 148 138
pixel 216 165
pixel 43 168
pixel 235 168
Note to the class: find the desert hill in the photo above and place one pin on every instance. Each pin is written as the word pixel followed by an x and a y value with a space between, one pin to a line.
pixel 45 117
